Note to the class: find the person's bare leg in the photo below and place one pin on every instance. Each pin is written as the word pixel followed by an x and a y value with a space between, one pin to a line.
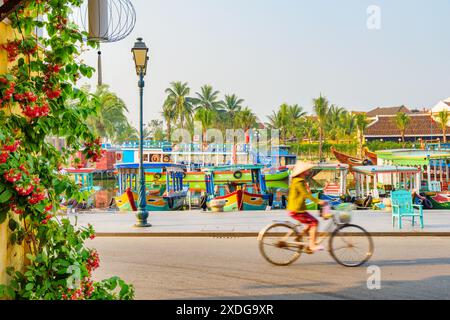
pixel 312 237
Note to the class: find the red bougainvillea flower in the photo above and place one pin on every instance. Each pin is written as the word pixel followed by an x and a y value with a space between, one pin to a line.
pixel 49 208
pixel 35 198
pixel 4 157
pixel 53 93
pixel 12 175
pixel 93 261
pixel 36 111
pixel 13 147
pixel 24 169
pixel 14 208
pixel 88 287
pixel 8 93
pixel 24 190
pixel 47 218
pixel 12 49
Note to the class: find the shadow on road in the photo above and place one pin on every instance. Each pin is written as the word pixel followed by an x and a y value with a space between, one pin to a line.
pixel 434 288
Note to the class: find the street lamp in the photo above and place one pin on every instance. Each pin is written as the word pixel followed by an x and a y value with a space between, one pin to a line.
pixel 140 55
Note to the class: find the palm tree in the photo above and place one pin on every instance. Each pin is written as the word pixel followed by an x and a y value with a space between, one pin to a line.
pixel 177 98
pixel 232 105
pixel 402 121
pixel 111 114
pixel 156 132
pixel 307 128
pixel 246 119
pixel 206 117
pixel 361 125
pixel 347 126
pixel 127 133
pixel 293 115
pixel 208 99
pixel 444 118
pixel 169 114
pixel 280 120
pixel 321 109
pixel 334 124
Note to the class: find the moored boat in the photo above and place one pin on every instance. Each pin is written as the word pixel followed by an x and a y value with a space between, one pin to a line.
pixel 251 195
pixel 168 196
pixel 351 160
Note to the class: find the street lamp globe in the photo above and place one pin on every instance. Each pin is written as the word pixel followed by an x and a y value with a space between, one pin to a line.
pixel 140 55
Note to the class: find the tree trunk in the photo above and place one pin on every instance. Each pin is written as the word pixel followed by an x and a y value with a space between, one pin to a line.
pixel 320 144
pixel 444 132
pixel 169 129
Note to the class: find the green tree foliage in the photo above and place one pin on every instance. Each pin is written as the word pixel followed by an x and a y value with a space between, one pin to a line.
pixel 111 115
pixel 402 121
pixel 443 118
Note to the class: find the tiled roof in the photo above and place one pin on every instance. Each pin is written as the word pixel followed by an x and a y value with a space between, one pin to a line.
pixel 420 126
pixel 388 111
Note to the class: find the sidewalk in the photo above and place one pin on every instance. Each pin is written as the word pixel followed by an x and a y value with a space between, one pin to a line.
pixel 249 223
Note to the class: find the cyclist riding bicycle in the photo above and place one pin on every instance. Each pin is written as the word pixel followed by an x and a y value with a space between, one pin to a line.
pixel 298 194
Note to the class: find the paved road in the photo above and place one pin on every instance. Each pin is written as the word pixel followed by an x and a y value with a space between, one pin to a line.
pixel 209 268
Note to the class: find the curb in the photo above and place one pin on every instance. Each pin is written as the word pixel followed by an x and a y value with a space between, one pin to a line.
pixel 207 234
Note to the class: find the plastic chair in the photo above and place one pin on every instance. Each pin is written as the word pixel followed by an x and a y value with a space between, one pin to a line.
pixel 403 206
pixel 435 186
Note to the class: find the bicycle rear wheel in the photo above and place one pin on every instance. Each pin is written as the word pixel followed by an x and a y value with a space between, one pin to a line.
pixel 277 244
pixel 351 246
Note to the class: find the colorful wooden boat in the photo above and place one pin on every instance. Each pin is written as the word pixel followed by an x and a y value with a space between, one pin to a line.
pixel 196 180
pixel 250 195
pixel 372 156
pixel 440 200
pixel 351 160
pixel 127 201
pixel 232 201
pixel 159 197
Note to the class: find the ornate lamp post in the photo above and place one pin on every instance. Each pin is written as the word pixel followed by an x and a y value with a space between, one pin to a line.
pixel 140 55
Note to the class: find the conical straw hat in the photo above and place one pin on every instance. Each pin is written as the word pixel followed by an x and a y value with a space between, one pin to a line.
pixel 301 167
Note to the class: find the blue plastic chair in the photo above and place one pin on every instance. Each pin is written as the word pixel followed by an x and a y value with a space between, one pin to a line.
pixel 403 206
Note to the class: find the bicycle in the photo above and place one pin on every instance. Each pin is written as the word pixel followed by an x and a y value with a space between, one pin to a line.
pixel 290 241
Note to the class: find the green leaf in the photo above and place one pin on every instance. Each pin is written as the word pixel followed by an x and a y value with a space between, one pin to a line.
pixel 3 215
pixel 5 195
pixel 29 286
pixel 12 224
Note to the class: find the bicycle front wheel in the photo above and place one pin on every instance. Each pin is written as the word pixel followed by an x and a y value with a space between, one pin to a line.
pixel 278 244
pixel 351 245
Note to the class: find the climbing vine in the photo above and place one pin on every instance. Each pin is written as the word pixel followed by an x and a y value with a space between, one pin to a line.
pixel 39 98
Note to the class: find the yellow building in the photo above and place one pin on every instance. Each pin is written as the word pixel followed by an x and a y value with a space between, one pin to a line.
pixel 9 255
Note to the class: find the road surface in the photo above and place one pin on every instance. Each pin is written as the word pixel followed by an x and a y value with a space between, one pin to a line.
pixel 210 268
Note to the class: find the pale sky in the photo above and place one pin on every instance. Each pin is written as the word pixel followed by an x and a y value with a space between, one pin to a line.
pixel 274 51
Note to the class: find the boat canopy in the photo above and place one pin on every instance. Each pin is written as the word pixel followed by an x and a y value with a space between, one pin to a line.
pixel 331 166
pixel 258 177
pixel 83 177
pixel 411 157
pixel 129 175
pixel 369 178
pixel 370 170
pixel 150 165
pixel 235 167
